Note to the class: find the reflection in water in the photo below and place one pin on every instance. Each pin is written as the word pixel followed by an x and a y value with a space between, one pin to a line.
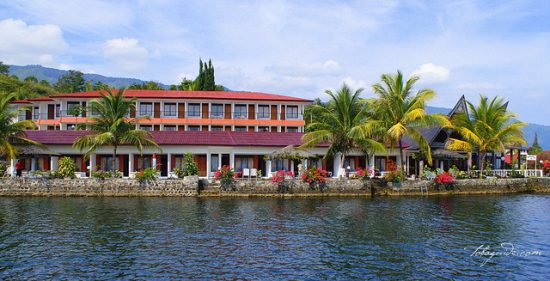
pixel 228 238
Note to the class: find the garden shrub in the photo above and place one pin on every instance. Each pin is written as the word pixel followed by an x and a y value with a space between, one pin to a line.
pixel 67 168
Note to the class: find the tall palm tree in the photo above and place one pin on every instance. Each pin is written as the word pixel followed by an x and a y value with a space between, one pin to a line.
pixel 341 123
pixel 399 112
pixel 12 132
pixel 111 126
pixel 488 127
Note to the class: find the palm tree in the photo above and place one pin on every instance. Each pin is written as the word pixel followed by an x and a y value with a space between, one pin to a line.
pixel 398 112
pixel 488 127
pixel 111 126
pixel 340 122
pixel 12 132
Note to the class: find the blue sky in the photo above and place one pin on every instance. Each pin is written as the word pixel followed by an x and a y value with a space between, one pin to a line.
pixel 297 48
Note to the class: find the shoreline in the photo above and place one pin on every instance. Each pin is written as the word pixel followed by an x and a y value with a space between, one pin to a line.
pixel 12 187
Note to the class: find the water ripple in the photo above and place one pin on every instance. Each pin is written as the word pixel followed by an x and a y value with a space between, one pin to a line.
pixel 272 239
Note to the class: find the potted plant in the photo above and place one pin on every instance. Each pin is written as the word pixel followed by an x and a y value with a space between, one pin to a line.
pixel 67 168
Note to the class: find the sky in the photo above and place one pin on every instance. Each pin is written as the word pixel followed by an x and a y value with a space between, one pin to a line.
pixel 298 48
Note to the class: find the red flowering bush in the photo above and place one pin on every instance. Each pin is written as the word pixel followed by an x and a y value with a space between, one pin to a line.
pixel 226 175
pixel 315 176
pixel 444 180
pixel 280 178
pixel 391 165
pixel 546 167
pixel 364 174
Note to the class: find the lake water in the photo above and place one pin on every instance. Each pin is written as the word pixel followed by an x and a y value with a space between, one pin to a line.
pixel 274 239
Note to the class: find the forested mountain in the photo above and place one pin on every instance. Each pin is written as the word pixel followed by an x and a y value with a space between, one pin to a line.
pixel 51 75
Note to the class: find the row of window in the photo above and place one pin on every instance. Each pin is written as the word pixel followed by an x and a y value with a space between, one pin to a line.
pixel 150 128
pixel 240 111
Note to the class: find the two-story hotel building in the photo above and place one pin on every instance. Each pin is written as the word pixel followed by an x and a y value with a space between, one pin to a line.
pixel 238 129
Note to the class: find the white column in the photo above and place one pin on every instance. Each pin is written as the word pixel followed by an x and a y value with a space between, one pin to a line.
pixel 34 163
pixel 92 163
pixel 268 168
pixel 304 162
pixel 130 163
pixel 169 164
pixel 421 167
pixel 12 167
pixel 208 164
pixel 292 166
pixel 336 165
pixel 219 161
pixel 232 160
pixel 53 163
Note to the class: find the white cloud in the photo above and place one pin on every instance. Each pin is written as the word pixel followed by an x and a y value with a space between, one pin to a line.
pixel 355 84
pixel 329 67
pixel 479 86
pixel 126 53
pixel 432 73
pixel 30 44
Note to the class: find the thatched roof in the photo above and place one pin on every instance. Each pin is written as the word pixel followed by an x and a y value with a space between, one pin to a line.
pixel 33 150
pixel 445 153
pixel 290 152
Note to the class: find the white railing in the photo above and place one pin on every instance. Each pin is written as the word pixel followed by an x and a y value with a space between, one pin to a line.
pixel 510 173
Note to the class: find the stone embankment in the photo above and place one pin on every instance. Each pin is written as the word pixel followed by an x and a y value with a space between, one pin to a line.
pixel 259 188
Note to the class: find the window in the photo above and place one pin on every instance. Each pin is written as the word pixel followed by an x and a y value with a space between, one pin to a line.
pixel 216 111
pixel 107 163
pixel 71 108
pixel 194 110
pixel 263 129
pixel 292 112
pixel 144 162
pixel 240 111
pixel 242 163
pixel 292 129
pixel 71 127
pixel 240 128
pixel 263 112
pixel 214 159
pixel 145 109
pixel 194 128
pixel 216 128
pixel 36 113
pixel 169 127
pixel 147 128
pixel 57 110
pixel 170 110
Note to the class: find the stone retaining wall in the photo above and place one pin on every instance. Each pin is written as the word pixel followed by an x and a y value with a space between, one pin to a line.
pixel 94 187
pixel 177 187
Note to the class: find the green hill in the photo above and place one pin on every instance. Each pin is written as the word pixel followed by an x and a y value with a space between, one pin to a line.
pixel 51 75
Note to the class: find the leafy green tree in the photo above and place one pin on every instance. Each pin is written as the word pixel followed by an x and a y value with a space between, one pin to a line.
pixel 340 122
pixel 4 69
pixel 398 112
pixel 31 79
pixel 151 85
pixel 23 89
pixel 72 81
pixel 488 127
pixel 111 127
pixel 535 148
pixel 12 133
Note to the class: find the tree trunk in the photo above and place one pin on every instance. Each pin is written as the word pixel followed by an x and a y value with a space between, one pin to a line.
pixel 114 161
pixel 482 164
pixel 402 162
pixel 342 158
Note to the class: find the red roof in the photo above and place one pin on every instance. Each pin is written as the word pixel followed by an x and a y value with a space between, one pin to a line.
pixel 172 94
pixel 184 138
